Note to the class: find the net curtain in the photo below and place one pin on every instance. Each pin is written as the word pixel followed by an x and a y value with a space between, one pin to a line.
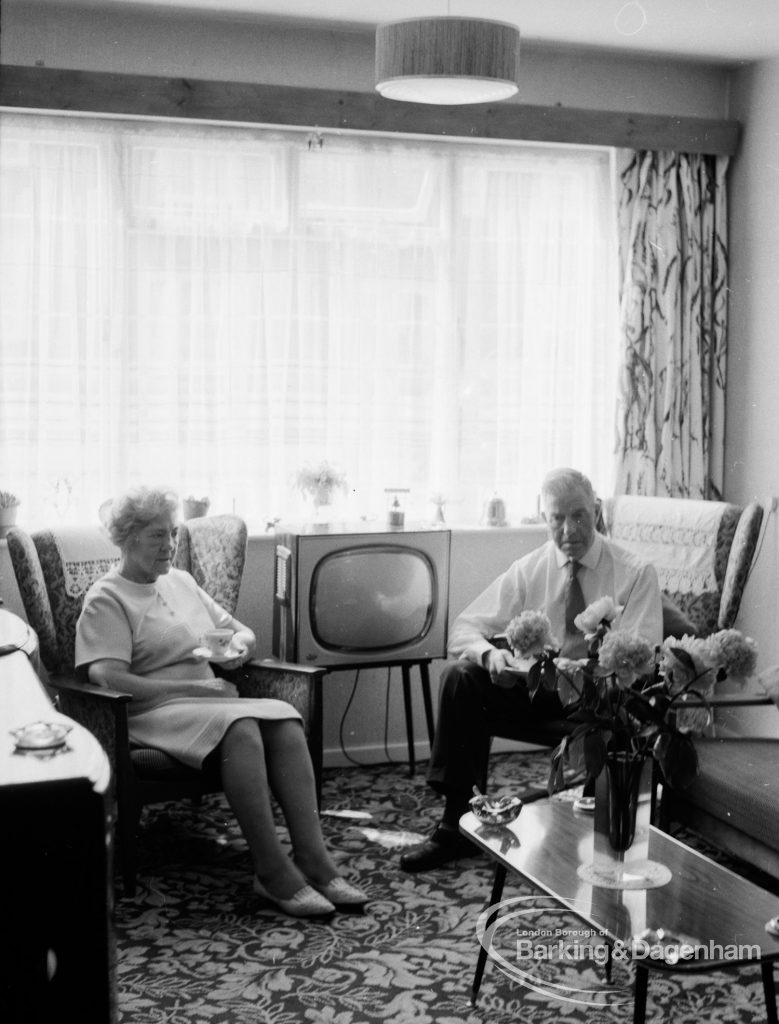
pixel 673 324
pixel 215 307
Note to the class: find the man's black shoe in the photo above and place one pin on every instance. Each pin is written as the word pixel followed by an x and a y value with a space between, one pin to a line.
pixel 443 846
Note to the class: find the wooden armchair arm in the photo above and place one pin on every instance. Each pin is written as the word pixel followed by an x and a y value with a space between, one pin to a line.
pixel 104 713
pixel 730 700
pixel 727 700
pixel 87 690
pixel 299 685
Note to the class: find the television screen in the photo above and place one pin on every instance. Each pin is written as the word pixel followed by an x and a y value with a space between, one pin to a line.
pixel 386 599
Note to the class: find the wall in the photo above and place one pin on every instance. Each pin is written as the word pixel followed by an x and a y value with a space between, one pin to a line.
pixel 140 41
pixel 751 466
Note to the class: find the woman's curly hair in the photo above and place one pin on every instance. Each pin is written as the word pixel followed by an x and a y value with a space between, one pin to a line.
pixel 136 508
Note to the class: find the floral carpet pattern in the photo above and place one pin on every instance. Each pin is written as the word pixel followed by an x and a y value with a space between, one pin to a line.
pixel 196 946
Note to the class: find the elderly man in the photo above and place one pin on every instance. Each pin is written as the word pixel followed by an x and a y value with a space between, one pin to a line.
pixel 479 698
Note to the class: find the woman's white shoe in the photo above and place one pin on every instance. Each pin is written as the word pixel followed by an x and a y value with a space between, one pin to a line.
pixel 306 902
pixel 341 893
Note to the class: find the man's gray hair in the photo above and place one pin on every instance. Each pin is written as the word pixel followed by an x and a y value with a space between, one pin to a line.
pixel 559 482
pixel 136 508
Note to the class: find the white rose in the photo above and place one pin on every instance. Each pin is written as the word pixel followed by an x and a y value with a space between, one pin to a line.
pixel 595 613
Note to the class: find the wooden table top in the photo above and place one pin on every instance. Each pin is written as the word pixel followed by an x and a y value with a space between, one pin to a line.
pixel 703 902
pixel 14 632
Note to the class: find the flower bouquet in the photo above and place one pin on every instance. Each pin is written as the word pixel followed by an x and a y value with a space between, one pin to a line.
pixel 626 701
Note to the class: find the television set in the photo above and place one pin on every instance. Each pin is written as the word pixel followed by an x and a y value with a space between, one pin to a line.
pixel 355 595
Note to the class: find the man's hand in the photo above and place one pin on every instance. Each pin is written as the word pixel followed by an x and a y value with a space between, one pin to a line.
pixel 495 661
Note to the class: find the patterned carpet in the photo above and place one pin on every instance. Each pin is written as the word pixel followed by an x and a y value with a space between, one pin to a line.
pixel 196 947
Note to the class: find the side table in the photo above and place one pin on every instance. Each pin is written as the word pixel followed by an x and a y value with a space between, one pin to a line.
pixel 57 957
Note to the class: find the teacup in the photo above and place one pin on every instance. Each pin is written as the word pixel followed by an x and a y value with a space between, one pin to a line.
pixel 218 641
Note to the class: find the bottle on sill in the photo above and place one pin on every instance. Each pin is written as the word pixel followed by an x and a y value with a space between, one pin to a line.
pixel 396 516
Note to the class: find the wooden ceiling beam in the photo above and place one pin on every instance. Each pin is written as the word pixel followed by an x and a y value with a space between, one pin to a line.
pixel 107 93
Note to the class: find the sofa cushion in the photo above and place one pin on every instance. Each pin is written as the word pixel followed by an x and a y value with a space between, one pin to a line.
pixel 738 783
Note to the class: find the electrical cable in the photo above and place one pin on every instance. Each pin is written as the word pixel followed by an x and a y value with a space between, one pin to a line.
pixel 349 758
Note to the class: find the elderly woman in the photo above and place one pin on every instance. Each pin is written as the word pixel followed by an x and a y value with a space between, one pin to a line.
pixel 139 630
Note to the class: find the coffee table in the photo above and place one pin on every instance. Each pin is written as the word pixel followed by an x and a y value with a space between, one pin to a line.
pixel 702 906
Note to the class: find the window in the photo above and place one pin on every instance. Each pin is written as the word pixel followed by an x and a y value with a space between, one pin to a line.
pixel 213 308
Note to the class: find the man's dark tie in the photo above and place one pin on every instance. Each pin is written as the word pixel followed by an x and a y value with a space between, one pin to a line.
pixel 574 600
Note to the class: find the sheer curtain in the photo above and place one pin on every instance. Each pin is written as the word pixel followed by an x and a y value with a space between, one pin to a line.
pixel 214 308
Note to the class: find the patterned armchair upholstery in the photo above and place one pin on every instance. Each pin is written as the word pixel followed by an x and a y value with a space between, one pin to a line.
pixel 213 550
pixel 54 569
pixel 702 550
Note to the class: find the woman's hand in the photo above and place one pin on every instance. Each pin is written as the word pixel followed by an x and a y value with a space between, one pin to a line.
pixel 150 690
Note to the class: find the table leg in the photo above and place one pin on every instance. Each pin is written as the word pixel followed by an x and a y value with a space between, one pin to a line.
pixel 406 674
pixel 769 990
pixel 639 1005
pixel 497 892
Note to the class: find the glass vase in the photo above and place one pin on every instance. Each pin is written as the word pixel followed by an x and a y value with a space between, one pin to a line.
pixel 623 774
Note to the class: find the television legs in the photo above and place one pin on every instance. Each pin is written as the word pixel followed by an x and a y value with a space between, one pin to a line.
pixel 407 703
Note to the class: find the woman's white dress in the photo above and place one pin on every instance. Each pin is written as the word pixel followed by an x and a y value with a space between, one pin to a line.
pixel 155 628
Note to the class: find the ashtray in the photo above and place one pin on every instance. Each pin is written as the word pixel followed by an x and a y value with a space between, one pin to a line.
pixel 662 945
pixel 41 735
pixel 496 812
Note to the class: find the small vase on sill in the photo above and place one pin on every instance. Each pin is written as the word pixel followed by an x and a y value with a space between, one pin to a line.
pixel 323 506
pixel 9 506
pixel 195 508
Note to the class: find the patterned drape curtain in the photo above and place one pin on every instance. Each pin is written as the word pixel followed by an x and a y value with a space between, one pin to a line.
pixel 673 324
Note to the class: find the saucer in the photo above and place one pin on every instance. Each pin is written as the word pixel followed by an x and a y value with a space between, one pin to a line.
pixel 217 659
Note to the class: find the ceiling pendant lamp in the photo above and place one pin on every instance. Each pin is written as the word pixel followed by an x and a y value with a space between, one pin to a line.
pixel 447 60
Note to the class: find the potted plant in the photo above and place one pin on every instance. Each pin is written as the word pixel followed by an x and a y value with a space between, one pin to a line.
pixel 320 484
pixel 9 504
pixel 194 508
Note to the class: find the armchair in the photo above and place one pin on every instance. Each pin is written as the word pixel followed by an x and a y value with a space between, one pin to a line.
pixel 54 569
pixel 703 551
